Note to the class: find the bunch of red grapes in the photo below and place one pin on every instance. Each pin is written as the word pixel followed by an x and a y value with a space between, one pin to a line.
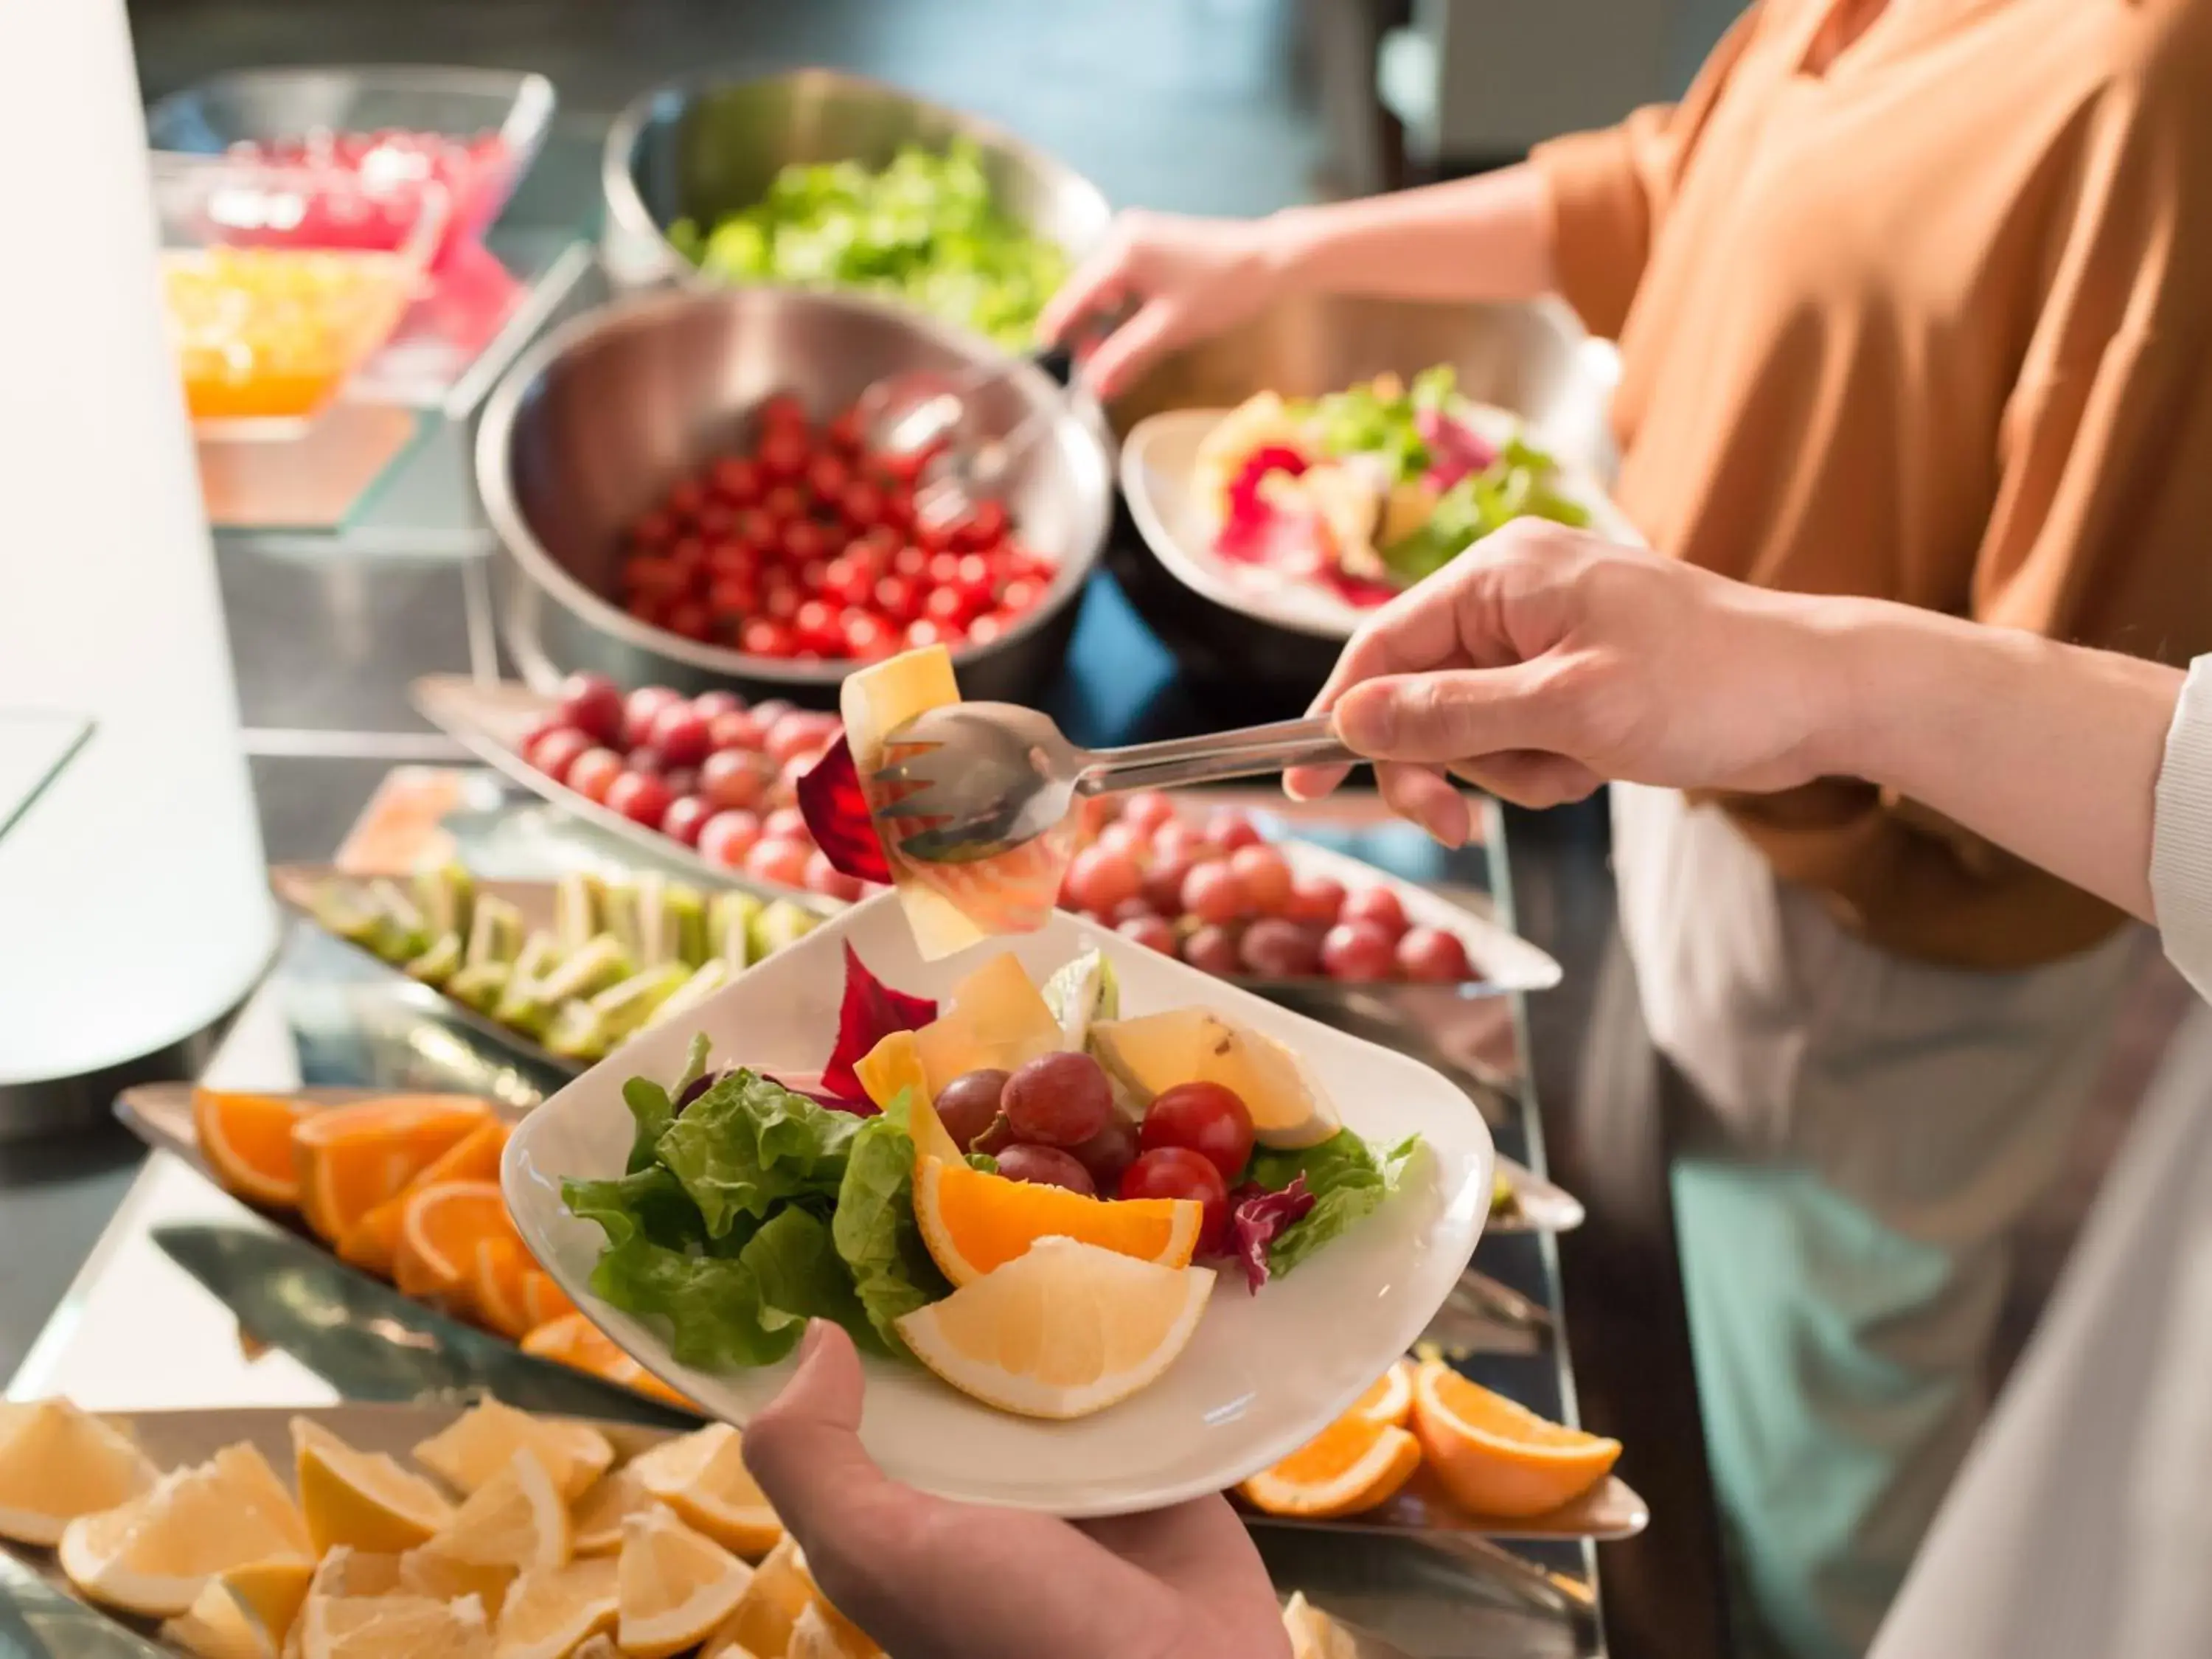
pixel 806 546
pixel 1052 1120
pixel 715 773
pixel 1224 900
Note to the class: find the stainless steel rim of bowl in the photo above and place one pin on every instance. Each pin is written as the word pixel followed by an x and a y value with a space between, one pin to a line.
pixel 496 483
pixel 627 214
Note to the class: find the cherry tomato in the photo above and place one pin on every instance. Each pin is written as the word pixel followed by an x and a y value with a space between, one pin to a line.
pixel 782 457
pixel 685 500
pixel 925 632
pixel 1019 595
pixel 868 638
pixel 690 619
pixel 815 623
pixel 733 596
pixel 806 541
pixel 947 606
pixel 736 480
pixel 641 797
pixel 827 475
pixel 897 599
pixel 985 523
pixel 758 529
pixel 764 636
pixel 783 503
pixel 655 530
pixel 862 504
pixel 1205 1118
pixel 686 817
pixel 910 563
pixel 845 433
pixel 1178 1172
pixel 727 837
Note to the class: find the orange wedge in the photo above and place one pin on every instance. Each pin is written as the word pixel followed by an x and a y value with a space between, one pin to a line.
pixel 247 1142
pixel 542 1299
pixel 351 1159
pixel 1390 1399
pixel 494 1288
pixel 439 1231
pixel 973 1223
pixel 573 1340
pixel 1352 1465
pixel 1496 1457
pixel 373 1241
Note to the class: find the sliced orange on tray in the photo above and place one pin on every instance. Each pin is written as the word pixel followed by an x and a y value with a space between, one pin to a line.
pixel 573 1340
pixel 1494 1456
pixel 373 1241
pixel 247 1140
pixel 349 1159
pixel 1354 1465
pixel 1389 1398
pixel 973 1223
pixel 439 1231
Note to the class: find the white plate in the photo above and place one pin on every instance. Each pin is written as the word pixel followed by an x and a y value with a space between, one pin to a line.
pixel 1159 461
pixel 1263 1374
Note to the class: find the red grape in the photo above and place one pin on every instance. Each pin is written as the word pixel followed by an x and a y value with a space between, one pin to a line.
pixel 826 878
pixel 969 1104
pixel 734 778
pixel 680 734
pixel 640 709
pixel 1123 838
pixel 739 729
pixel 727 837
pixel 1315 898
pixel 592 704
pixel 1176 841
pixel 1205 1118
pixel 1058 1099
pixel 686 817
pixel 782 862
pixel 1433 953
pixel 1357 951
pixel 1212 893
pixel 798 732
pixel 591 772
pixel 1154 932
pixel 1134 909
pixel 1148 809
pixel 1178 1172
pixel 1100 878
pixel 1378 907
pixel 682 779
pixel 1265 876
pixel 556 750
pixel 713 705
pixel 646 759
pixel 1273 948
pixel 641 797
pixel 1213 950
pixel 1229 829
pixel 1109 1152
pixel 1045 1166
pixel 1163 882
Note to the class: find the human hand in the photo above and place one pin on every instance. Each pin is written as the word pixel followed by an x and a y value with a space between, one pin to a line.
pixel 1543 661
pixel 1185 278
pixel 929 1579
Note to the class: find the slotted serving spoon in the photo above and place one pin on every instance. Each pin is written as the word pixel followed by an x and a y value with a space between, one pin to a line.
pixel 972 780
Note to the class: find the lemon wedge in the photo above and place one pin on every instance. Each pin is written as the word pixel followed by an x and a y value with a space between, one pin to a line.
pixel 363 1500
pixel 702 1477
pixel 675 1586
pixel 57 1462
pixel 485 1439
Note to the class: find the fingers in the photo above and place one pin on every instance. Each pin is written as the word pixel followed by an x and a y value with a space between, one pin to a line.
pixel 1426 798
pixel 1455 715
pixel 1096 285
pixel 804 1448
pixel 1129 349
pixel 1528 779
pixel 1312 782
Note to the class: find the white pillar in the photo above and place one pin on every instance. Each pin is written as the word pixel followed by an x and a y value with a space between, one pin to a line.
pixel 133 910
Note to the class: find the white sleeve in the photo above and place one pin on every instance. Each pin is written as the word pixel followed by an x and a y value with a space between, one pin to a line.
pixel 2181 837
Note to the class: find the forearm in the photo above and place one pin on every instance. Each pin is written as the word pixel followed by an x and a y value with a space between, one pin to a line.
pixel 1486 238
pixel 2050 750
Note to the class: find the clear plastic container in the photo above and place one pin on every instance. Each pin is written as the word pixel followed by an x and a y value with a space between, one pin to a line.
pixel 470 133
pixel 270 314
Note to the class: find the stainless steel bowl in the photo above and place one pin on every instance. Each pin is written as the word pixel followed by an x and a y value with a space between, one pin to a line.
pixel 1533 359
pixel 701 148
pixel 595 423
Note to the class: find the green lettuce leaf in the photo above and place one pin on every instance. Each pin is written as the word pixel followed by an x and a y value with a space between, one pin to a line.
pixel 727 1311
pixel 748 1146
pixel 874 1228
pixel 649 1204
pixel 1349 1180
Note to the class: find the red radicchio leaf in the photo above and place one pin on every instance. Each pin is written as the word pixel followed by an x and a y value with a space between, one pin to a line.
pixel 871 1012
pixel 1257 1217
pixel 1454 449
pixel 837 814
pixel 1249 513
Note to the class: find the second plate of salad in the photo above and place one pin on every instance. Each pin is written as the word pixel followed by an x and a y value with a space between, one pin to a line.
pixel 1109 1232
pixel 1311 513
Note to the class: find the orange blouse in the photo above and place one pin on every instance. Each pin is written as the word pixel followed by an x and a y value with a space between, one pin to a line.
pixel 1930 325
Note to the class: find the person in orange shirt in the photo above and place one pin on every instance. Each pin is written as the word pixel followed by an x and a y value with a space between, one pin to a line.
pixel 1913 299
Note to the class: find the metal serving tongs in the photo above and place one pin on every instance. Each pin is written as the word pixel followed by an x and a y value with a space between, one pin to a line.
pixel 925 410
pixel 972 780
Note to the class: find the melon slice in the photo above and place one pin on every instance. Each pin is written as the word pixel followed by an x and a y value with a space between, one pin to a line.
pixel 994 1018
pixel 1154 1053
